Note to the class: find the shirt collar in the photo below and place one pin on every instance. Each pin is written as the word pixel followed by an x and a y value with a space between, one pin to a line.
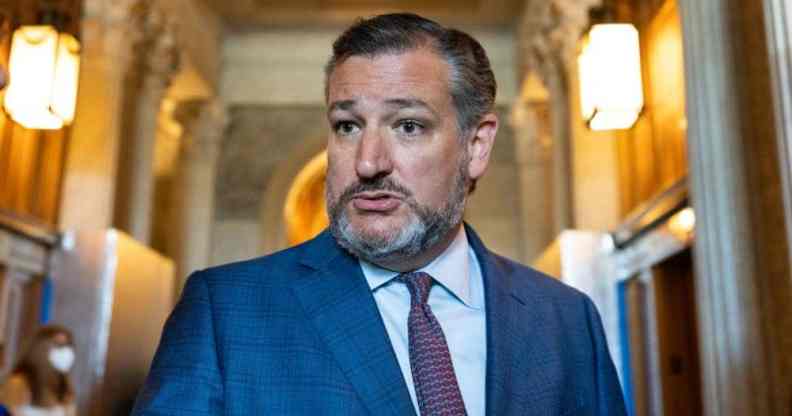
pixel 451 269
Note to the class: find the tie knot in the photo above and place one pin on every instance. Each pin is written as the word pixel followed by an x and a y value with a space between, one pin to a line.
pixel 419 284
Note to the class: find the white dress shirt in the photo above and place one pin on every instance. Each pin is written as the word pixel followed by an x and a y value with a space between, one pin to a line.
pixel 457 301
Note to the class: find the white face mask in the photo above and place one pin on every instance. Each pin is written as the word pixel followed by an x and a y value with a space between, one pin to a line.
pixel 62 358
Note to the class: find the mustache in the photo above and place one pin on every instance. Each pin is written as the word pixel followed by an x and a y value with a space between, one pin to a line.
pixel 379 184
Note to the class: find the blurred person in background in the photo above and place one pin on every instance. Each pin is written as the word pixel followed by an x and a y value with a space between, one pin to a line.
pixel 40 384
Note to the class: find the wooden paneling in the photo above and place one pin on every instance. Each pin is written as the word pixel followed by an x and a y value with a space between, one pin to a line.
pixel 666 92
pixel 31 164
pixel 653 154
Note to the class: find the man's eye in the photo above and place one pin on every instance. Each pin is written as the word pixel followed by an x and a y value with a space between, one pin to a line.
pixel 345 128
pixel 409 127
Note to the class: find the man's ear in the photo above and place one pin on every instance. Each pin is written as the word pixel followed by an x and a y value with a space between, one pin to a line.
pixel 479 146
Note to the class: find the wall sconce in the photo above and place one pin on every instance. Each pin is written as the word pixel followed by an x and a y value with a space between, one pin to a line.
pixel 611 92
pixel 683 223
pixel 43 74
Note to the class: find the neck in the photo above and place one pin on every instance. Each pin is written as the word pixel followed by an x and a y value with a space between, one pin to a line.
pixel 403 265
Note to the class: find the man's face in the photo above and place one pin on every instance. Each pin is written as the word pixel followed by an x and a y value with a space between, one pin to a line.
pixel 397 167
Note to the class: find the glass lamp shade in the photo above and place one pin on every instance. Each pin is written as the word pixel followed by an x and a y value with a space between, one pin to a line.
pixel 611 92
pixel 67 75
pixel 43 75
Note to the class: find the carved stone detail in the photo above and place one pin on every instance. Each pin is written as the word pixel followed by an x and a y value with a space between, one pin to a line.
pixel 110 26
pixel 110 11
pixel 549 33
pixel 157 46
pixel 204 123
pixel 548 37
pixel 156 63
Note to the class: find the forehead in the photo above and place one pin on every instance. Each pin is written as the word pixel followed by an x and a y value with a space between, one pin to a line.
pixel 419 73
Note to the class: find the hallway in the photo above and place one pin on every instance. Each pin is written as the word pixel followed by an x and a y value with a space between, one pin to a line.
pixel 652 171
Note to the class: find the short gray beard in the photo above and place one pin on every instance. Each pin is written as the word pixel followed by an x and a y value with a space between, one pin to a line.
pixel 425 227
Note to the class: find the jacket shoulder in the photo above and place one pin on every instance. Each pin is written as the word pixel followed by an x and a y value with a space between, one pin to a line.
pixel 538 284
pixel 275 268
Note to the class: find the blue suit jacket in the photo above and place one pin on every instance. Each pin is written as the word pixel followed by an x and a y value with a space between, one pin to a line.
pixel 298 333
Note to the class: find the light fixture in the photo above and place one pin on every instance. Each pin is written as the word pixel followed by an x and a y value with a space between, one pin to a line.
pixel 611 92
pixel 43 76
pixel 683 222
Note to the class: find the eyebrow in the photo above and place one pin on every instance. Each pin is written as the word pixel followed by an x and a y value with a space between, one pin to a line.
pixel 347 105
pixel 408 102
pixel 343 105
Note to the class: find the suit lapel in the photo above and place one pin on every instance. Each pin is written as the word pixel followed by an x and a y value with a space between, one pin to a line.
pixel 339 303
pixel 516 357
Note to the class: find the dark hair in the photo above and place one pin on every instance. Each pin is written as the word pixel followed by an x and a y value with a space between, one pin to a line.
pixel 27 364
pixel 472 83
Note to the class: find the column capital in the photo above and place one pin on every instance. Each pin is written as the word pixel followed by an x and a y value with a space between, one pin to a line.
pixel 156 44
pixel 109 28
pixel 204 123
pixel 549 31
pixel 110 11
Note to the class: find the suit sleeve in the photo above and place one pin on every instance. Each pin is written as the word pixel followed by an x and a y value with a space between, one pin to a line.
pixel 610 399
pixel 185 377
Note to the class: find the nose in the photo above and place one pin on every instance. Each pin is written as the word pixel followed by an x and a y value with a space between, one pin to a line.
pixel 373 156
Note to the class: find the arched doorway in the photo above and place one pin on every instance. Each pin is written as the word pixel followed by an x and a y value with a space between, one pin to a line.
pixel 304 210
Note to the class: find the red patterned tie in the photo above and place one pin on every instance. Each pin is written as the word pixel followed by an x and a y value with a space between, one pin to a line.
pixel 433 372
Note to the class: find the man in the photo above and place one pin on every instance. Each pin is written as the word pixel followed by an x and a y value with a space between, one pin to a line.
pixel 398 308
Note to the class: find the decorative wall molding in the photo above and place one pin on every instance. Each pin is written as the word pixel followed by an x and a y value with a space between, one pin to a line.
pixel 21 254
pixel 740 255
pixel 778 14
pixel 724 256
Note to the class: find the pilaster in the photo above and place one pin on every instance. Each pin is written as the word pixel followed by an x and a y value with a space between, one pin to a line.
pixel 204 123
pixel 548 36
pixel 151 75
pixel 741 252
pixel 108 34
pixel 533 145
pixel 778 14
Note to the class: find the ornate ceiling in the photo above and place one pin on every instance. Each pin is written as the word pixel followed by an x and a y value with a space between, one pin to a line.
pixel 253 14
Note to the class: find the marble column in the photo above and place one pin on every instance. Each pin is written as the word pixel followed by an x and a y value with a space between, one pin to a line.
pixel 157 65
pixel 108 34
pixel 741 255
pixel 204 124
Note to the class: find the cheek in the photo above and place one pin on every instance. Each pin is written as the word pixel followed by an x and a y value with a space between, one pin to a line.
pixel 430 178
pixel 338 175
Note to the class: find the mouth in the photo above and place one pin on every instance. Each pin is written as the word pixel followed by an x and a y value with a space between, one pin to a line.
pixel 376 202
